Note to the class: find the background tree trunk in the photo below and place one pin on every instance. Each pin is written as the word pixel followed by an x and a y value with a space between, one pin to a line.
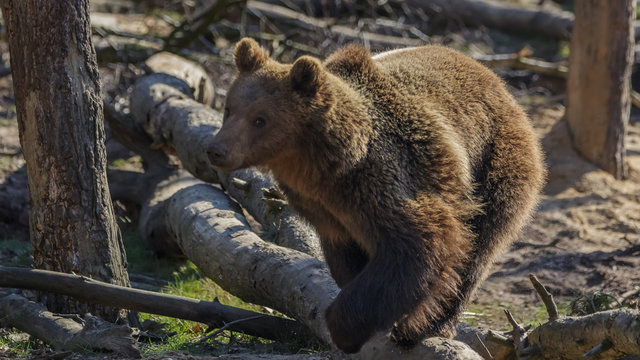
pixel 598 99
pixel 57 91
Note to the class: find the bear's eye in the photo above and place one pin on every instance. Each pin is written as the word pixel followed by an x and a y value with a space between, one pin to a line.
pixel 226 114
pixel 259 122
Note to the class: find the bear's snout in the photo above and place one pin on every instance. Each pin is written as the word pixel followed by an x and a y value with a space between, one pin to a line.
pixel 217 154
pixel 215 151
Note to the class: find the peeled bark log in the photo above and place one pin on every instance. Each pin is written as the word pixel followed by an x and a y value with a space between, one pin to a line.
pixel 64 333
pixel 194 75
pixel 211 232
pixel 572 337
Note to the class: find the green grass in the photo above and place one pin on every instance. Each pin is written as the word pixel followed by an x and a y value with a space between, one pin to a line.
pixel 184 279
pixel 492 315
pixel 17 345
pixel 14 252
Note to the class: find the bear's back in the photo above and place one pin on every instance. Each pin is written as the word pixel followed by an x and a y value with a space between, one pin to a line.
pixel 469 96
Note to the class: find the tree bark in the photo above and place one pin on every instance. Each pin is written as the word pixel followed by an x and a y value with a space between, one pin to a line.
pixel 57 90
pixel 598 94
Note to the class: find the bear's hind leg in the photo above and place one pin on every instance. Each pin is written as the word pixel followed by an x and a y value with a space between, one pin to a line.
pixel 511 180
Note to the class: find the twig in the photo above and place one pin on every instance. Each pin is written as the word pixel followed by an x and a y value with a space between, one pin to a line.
pixel 499 339
pixel 517 61
pixel 487 353
pixel 552 243
pixel 629 294
pixel 226 327
pixel 546 297
pixel 518 333
pixel 328 27
pixel 189 30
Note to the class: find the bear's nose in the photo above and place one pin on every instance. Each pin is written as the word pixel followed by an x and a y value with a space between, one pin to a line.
pixel 215 152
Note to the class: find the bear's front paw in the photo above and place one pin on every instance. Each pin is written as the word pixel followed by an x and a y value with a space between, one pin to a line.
pixel 345 333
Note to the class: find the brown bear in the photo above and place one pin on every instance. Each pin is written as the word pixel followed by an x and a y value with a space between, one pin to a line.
pixel 416 167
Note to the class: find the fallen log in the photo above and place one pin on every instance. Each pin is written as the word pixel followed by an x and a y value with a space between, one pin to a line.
pixel 502 15
pixel 212 234
pixel 212 313
pixel 63 332
pixel 610 334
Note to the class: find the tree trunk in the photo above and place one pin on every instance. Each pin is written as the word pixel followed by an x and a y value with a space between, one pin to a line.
pixel 598 99
pixel 57 91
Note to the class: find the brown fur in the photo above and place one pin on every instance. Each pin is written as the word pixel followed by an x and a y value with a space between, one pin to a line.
pixel 416 169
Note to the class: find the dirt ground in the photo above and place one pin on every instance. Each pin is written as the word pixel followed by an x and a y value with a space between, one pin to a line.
pixel 585 236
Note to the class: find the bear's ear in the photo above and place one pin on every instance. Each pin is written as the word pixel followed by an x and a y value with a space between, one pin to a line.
pixel 249 56
pixel 307 75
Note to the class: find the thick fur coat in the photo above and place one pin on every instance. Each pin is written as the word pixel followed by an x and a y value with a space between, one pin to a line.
pixel 416 167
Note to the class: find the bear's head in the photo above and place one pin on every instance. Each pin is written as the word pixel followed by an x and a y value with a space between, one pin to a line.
pixel 270 108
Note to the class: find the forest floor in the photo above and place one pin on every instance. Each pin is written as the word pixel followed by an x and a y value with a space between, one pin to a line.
pixel 583 240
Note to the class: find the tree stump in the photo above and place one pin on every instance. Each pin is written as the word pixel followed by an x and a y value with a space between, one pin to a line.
pixel 598 99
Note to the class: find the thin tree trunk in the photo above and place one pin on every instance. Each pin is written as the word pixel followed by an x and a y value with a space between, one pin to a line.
pixel 598 98
pixel 57 89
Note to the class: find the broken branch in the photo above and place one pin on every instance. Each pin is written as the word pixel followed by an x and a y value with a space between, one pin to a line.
pixel 546 297
pixel 97 292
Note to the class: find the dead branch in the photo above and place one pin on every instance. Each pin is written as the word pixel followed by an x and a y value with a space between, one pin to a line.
pixel 65 333
pixel 502 15
pixel 327 26
pixel 199 82
pixel 573 337
pixel 517 61
pixel 546 297
pixel 212 233
pixel 190 29
pixel 289 16
pixel 112 49
pixel 209 312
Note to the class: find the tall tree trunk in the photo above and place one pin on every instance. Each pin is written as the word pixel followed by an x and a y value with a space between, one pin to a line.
pixel 600 62
pixel 57 88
